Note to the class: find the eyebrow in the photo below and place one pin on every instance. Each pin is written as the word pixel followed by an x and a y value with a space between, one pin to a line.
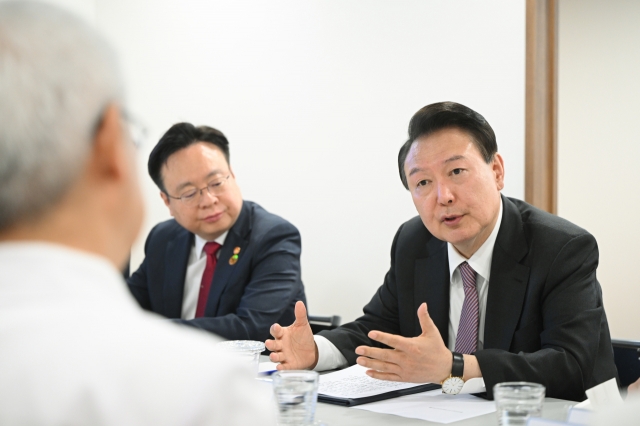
pixel 414 171
pixel 448 160
pixel 454 158
pixel 210 175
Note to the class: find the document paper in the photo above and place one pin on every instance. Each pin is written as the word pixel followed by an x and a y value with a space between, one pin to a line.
pixel 433 406
pixel 267 366
pixel 353 382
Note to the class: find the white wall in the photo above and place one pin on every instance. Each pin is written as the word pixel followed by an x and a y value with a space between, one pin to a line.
pixel 599 143
pixel 315 98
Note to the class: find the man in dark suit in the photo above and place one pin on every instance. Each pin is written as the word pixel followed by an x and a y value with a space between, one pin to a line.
pixel 222 264
pixel 502 290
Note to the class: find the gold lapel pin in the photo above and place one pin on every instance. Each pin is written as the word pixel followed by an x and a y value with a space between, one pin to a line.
pixel 234 258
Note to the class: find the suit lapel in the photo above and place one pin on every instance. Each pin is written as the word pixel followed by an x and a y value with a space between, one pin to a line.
pixel 175 268
pixel 224 272
pixel 508 282
pixel 432 286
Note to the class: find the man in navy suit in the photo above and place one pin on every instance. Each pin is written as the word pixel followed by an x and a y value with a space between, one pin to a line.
pixel 222 264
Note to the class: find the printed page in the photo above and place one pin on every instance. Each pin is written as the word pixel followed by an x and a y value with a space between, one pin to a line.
pixel 353 382
pixel 433 406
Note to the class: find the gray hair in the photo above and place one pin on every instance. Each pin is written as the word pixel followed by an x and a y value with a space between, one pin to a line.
pixel 57 76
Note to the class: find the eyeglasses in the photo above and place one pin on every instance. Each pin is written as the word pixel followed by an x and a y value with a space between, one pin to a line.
pixel 193 196
pixel 137 131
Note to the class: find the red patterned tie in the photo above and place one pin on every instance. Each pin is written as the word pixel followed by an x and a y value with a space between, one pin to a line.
pixel 467 338
pixel 211 248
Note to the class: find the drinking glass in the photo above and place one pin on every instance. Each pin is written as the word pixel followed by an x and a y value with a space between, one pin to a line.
pixel 248 350
pixel 517 401
pixel 296 393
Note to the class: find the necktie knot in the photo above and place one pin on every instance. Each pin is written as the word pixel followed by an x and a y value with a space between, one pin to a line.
pixel 211 248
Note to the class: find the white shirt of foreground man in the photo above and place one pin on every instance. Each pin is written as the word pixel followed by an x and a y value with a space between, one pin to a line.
pixel 76 349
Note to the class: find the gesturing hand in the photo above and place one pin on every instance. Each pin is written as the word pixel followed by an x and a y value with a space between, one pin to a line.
pixel 419 359
pixel 293 347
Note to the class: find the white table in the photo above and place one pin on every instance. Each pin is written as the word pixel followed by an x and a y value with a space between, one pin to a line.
pixel 335 415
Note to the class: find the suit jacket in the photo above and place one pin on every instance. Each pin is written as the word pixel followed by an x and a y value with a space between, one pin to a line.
pixel 245 298
pixel 544 322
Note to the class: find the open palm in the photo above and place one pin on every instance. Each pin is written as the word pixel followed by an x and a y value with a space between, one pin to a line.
pixel 293 347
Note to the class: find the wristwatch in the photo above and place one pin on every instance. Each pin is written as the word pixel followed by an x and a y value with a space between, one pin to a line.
pixel 453 384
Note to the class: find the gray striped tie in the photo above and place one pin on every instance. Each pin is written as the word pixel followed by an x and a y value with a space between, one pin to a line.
pixel 467 338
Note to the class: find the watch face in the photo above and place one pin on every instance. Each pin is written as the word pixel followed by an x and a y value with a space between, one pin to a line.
pixel 452 386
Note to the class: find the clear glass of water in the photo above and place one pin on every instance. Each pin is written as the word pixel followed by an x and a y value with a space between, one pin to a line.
pixel 247 350
pixel 296 393
pixel 517 401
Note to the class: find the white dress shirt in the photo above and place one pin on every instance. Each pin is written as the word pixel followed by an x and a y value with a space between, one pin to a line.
pixel 329 357
pixel 193 278
pixel 480 261
pixel 75 349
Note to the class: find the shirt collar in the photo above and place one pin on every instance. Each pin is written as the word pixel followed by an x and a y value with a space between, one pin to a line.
pixel 200 242
pixel 90 274
pixel 480 261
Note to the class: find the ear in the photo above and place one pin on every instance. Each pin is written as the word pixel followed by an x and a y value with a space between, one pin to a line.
pixel 108 161
pixel 231 171
pixel 498 170
pixel 167 202
pixel 165 199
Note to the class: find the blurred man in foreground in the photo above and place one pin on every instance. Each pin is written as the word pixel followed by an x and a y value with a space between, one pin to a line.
pixel 502 290
pixel 75 347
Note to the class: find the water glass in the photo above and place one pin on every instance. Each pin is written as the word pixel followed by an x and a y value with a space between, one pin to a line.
pixel 296 393
pixel 247 350
pixel 517 401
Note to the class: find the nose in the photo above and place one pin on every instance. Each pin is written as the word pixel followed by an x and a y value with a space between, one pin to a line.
pixel 445 196
pixel 207 198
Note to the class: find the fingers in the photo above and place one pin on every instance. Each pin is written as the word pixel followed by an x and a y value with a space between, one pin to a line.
pixel 383 366
pixel 276 356
pixel 384 376
pixel 279 357
pixel 378 353
pixel 276 331
pixel 286 366
pixel 395 341
pixel 426 323
pixel 301 313
pixel 273 345
pixel 276 347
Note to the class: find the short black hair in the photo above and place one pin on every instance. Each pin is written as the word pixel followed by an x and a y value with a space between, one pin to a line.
pixel 443 115
pixel 178 137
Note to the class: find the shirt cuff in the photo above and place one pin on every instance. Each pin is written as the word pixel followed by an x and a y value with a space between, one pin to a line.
pixel 329 357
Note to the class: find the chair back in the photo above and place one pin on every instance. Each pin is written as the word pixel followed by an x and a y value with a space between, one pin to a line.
pixel 319 323
pixel 626 354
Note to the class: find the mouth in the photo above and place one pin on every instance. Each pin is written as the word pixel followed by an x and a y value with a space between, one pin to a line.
pixel 452 220
pixel 212 217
